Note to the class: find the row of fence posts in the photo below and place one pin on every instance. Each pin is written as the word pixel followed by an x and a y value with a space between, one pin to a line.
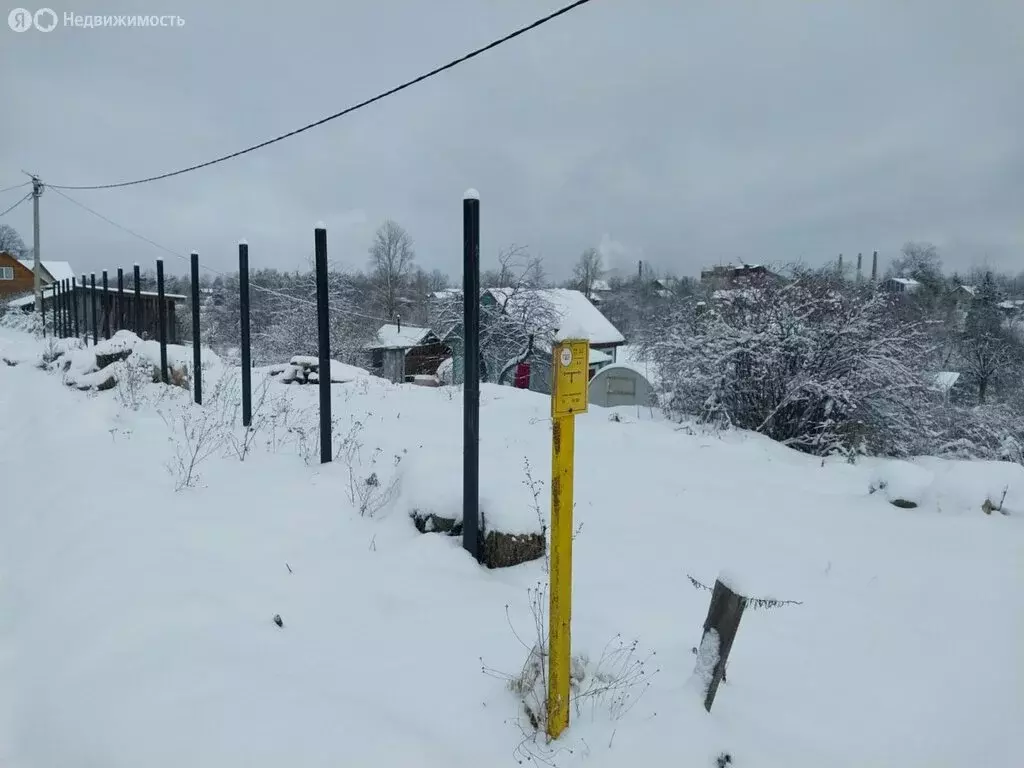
pixel 81 309
pixel 68 322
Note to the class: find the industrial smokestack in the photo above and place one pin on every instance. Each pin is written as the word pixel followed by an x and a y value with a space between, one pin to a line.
pixel 640 269
pixel 874 267
pixel 839 266
pixel 858 267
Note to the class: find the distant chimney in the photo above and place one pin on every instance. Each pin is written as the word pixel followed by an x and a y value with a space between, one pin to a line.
pixel 640 269
pixel 858 267
pixel 398 322
pixel 874 266
pixel 839 266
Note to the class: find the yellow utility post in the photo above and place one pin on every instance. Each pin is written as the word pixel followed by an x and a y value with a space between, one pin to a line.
pixel 570 369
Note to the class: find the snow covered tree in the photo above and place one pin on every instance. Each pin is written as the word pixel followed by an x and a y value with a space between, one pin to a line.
pixel 811 366
pixel 511 311
pixel 11 242
pixel 987 350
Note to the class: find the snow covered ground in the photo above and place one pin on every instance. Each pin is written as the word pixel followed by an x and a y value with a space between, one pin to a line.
pixel 136 621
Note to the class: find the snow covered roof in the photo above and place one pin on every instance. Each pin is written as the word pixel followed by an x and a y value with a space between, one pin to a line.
pixel 943 381
pixel 59 270
pixel 907 281
pixel 600 285
pixel 391 336
pixel 446 293
pixel 573 308
pixel 971 289
pixel 49 290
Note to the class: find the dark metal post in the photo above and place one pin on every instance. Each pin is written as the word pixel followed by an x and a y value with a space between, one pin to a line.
pixel 53 298
pixel 161 314
pixel 66 308
pixel 59 307
pixel 197 357
pixel 106 306
pixel 92 296
pixel 471 361
pixel 119 325
pixel 243 302
pixel 68 285
pixel 138 301
pixel 323 317
pixel 74 307
pixel 85 313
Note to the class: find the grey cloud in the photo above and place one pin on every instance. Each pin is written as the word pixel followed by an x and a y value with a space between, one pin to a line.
pixel 681 133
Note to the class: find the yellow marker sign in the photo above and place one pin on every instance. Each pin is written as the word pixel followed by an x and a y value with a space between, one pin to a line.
pixel 570 379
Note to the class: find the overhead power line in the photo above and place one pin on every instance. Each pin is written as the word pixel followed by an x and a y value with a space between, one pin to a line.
pixel 15 186
pixel 342 113
pixel 211 270
pixel 26 197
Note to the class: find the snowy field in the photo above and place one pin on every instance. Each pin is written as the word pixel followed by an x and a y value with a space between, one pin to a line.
pixel 136 621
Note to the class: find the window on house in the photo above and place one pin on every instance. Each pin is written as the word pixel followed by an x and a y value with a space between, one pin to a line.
pixel 6 273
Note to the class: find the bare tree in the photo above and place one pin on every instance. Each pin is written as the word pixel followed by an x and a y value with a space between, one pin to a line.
pixel 588 270
pixel 920 261
pixel 11 242
pixel 517 308
pixel 391 264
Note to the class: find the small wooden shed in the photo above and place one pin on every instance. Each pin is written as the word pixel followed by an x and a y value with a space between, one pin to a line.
pixel 401 352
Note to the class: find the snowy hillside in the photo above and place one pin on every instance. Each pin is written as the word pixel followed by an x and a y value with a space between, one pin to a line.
pixel 136 621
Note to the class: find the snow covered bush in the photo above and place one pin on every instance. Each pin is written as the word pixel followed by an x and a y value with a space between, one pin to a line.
pixel 373 485
pixel 26 322
pixel 200 431
pixel 265 408
pixel 133 376
pixel 612 684
pixel 815 367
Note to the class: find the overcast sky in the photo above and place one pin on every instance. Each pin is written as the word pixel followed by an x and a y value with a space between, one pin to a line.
pixel 682 133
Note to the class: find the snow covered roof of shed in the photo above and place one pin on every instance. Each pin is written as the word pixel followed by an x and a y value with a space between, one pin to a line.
pixel 907 281
pixel 49 290
pixel 446 293
pixel 391 336
pixel 943 381
pixel 573 308
pixel 600 285
pixel 59 270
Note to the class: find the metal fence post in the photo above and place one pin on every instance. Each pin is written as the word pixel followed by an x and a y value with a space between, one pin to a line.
pixel 243 304
pixel 197 355
pixel 323 316
pixel 119 325
pixel 138 301
pixel 106 306
pixel 161 319
pixel 471 387
pixel 92 295
pixel 74 307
